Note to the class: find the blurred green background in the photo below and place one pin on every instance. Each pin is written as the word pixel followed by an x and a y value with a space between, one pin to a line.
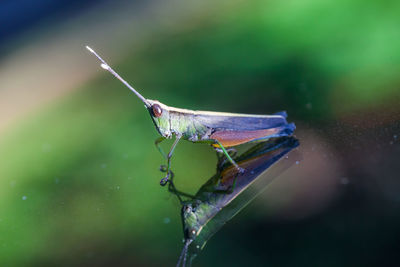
pixel 79 179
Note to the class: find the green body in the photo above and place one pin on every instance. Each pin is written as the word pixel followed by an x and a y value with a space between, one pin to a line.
pixel 220 129
pixel 204 126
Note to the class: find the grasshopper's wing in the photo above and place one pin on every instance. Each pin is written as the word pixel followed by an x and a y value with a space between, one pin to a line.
pixel 240 122
pixel 234 129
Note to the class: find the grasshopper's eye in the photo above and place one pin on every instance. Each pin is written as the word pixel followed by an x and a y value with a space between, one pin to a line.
pixel 157 111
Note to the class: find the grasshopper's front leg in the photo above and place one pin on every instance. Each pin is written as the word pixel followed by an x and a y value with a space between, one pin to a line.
pixel 169 156
pixel 240 170
pixel 158 141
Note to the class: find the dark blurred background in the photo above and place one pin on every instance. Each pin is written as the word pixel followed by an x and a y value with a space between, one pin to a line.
pixel 79 179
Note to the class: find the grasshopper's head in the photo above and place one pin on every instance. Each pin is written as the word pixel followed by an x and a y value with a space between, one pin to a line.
pixel 190 223
pixel 160 115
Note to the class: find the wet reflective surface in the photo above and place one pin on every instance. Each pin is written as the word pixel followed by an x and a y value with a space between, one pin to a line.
pixel 228 191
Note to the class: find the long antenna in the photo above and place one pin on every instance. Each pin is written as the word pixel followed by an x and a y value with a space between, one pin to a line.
pixel 105 66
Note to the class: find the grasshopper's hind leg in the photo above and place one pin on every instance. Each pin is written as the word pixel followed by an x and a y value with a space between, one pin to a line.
pixel 240 170
pixel 221 156
pixel 169 156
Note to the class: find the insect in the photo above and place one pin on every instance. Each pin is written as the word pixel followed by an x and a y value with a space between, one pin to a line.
pixel 222 130
pixel 205 213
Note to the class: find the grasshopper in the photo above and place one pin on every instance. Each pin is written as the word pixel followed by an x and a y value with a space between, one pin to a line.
pixel 222 130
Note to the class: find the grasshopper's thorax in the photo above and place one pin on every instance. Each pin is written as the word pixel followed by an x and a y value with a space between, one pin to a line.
pixel 170 120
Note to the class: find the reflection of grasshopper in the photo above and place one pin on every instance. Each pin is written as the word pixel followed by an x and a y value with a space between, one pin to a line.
pixel 212 206
pixel 219 129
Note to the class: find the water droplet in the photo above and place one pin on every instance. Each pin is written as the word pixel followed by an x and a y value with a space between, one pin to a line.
pixel 103 165
pixel 197 246
pixel 166 220
pixel 13 183
pixel 105 66
pixel 24 197
pixel 117 187
pixel 56 181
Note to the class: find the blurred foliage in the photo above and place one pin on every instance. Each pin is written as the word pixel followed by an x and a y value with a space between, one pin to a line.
pixel 79 179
